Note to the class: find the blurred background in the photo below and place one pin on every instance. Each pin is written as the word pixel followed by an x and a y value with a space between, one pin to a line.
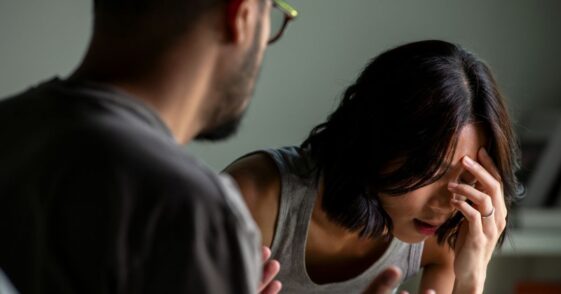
pixel 323 51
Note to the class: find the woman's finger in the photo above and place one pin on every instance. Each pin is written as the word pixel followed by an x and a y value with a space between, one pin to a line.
pixel 487 163
pixel 481 200
pixel 471 214
pixel 490 184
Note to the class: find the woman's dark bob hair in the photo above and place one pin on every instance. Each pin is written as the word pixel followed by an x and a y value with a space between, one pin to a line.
pixel 408 105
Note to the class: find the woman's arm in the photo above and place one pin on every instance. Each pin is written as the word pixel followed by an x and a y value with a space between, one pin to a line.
pixel 438 267
pixel 259 182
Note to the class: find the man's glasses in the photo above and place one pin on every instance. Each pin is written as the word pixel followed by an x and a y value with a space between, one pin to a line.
pixel 280 16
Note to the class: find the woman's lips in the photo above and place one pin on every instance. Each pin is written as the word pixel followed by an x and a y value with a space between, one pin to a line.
pixel 425 228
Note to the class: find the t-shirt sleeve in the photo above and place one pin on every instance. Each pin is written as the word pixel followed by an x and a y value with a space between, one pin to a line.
pixel 247 233
pixel 214 248
pixel 117 230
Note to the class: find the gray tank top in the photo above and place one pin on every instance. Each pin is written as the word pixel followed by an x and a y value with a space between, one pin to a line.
pixel 298 193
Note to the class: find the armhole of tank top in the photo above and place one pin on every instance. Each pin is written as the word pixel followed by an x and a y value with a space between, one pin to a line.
pixel 277 159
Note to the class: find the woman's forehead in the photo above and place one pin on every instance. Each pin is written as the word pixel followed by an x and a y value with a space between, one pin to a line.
pixel 470 140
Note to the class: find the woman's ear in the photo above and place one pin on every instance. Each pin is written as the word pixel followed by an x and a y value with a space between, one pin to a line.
pixel 238 20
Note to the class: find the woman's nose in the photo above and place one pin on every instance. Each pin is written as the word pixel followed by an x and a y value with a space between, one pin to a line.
pixel 440 203
pixel 442 196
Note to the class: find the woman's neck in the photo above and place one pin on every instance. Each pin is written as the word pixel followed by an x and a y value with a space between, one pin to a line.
pixel 340 238
pixel 334 253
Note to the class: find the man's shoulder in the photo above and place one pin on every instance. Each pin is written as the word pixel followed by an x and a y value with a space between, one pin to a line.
pixel 152 162
pixel 84 135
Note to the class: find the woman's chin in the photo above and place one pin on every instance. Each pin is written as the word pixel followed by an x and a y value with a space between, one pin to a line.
pixel 410 238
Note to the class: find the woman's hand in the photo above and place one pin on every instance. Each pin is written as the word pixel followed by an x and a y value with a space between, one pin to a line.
pixel 484 222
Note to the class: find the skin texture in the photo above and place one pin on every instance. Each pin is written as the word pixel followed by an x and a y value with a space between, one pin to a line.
pixel 446 270
pixel 180 81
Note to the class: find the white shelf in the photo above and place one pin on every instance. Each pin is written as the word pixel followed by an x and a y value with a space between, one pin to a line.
pixel 526 242
pixel 537 232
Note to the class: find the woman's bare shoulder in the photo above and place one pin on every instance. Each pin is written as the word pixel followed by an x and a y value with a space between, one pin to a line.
pixel 259 181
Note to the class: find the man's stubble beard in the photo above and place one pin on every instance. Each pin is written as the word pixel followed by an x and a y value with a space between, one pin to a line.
pixel 234 90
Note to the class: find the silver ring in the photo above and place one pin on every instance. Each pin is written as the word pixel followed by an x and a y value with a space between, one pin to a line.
pixel 489 215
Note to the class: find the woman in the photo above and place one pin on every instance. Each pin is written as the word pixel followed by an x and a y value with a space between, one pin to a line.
pixel 415 168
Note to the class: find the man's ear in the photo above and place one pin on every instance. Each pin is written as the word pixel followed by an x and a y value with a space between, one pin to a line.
pixel 238 20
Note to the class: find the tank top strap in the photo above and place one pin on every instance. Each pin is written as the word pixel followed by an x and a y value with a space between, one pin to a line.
pixel 296 201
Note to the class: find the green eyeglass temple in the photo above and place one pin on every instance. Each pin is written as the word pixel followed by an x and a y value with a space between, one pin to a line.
pixel 289 12
pixel 286 8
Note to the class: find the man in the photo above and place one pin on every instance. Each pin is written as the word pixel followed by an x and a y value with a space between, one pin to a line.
pixel 96 193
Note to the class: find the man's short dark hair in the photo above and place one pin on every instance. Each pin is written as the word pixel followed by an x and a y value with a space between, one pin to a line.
pixel 169 16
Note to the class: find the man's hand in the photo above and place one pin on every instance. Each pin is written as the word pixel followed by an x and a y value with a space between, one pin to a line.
pixel 270 270
pixel 386 281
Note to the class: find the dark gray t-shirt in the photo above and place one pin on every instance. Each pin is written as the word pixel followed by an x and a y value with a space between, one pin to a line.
pixel 97 197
